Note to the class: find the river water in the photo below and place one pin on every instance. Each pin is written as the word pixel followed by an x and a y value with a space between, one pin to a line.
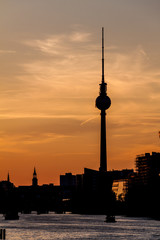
pixel 73 226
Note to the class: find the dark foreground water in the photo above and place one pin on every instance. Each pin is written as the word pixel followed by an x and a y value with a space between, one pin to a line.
pixel 67 226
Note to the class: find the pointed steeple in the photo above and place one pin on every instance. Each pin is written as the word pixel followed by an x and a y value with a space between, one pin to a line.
pixel 34 179
pixel 34 173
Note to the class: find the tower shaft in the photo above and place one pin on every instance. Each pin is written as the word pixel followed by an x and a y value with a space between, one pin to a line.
pixel 103 150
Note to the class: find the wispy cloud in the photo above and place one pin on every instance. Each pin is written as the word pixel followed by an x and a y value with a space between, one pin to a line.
pixel 7 51
pixel 88 120
pixel 80 37
pixel 59 44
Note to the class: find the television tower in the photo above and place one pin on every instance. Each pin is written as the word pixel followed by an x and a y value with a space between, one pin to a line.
pixel 103 102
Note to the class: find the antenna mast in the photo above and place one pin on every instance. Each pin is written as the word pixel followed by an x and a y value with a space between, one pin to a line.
pixel 102 55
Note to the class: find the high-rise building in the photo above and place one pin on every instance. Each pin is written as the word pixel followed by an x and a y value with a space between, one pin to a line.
pixel 103 102
pixel 148 167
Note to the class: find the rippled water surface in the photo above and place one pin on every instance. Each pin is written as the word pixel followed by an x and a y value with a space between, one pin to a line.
pixel 67 226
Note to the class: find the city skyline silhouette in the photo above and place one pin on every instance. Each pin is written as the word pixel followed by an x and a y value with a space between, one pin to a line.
pixel 49 76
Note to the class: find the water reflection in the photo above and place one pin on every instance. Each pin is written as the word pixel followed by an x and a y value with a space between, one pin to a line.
pixel 66 226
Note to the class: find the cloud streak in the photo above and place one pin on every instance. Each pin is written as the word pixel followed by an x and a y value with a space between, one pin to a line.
pixel 7 51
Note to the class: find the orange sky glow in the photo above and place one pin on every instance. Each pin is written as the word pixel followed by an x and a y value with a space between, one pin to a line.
pixel 50 70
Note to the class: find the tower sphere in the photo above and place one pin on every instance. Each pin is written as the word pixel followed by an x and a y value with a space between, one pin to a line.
pixel 103 102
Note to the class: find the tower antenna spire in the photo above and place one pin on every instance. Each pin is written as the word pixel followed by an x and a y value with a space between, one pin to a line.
pixel 103 102
pixel 102 54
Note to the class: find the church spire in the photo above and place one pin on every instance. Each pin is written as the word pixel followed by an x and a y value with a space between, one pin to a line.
pixel 34 173
pixel 34 179
pixel 8 177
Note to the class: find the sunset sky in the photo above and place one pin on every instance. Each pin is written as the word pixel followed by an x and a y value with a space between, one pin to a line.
pixel 50 70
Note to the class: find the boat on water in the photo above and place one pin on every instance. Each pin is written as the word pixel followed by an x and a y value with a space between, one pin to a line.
pixel 42 211
pixel 110 218
pixel 26 211
pixel 11 216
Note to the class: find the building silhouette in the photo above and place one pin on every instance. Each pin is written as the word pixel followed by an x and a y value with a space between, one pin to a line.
pixel 148 167
pixel 68 180
pixel 120 180
pixel 26 199
pixel 143 196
